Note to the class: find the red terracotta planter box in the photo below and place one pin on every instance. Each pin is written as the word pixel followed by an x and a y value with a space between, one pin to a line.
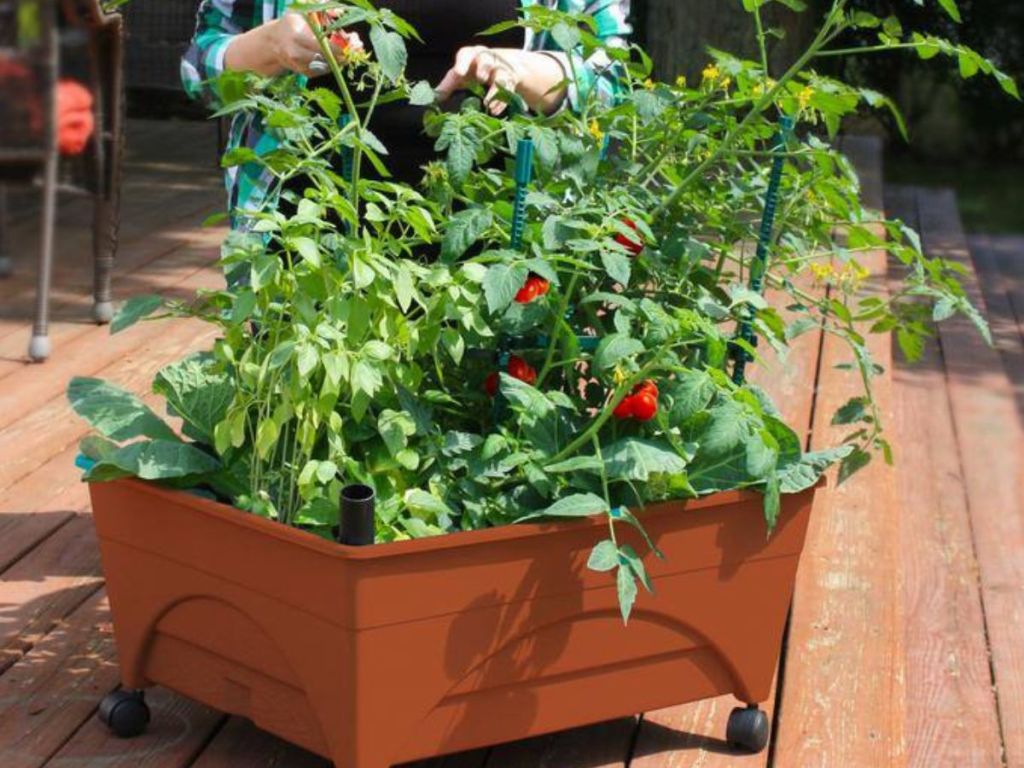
pixel 377 655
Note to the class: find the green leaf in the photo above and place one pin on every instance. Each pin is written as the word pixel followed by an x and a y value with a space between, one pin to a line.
pixel 800 475
pixel 576 464
pixel 426 506
pixel 154 460
pixel 627 591
pixel 636 564
pixel 422 94
pixel 855 410
pixel 461 142
pixel 464 229
pixel 691 392
pixel 502 283
pixel 853 463
pixel 636 459
pixel 134 310
pixel 389 48
pixel 395 427
pixel 114 412
pixel 196 393
pixel 604 557
pixel 577 505
pixel 614 349
pixel 618 267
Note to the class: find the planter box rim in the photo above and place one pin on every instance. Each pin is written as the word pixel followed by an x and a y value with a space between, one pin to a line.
pixel 457 540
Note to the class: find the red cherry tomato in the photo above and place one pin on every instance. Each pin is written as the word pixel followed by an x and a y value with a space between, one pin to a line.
pixel 492 384
pixel 647 386
pixel 534 288
pixel 520 369
pixel 527 293
pixel 645 406
pixel 624 410
pixel 636 247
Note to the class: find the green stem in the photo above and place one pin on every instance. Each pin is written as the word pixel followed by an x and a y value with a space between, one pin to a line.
pixel 822 39
pixel 556 333
pixel 350 105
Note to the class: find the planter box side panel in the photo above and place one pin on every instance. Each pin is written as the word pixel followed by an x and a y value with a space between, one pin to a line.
pixel 500 670
pixel 207 634
pixel 498 674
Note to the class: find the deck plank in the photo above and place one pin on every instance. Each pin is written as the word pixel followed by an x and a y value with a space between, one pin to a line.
pixel 842 694
pixel 47 696
pixel 950 708
pixel 179 731
pixel 44 586
pixel 94 349
pixel 990 437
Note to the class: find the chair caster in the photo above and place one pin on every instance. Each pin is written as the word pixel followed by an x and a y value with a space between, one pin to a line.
pixel 39 348
pixel 103 312
pixel 747 729
pixel 125 713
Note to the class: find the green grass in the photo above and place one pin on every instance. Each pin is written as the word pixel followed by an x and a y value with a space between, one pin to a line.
pixel 991 197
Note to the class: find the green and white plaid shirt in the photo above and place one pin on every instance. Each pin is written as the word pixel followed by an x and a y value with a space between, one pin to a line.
pixel 219 21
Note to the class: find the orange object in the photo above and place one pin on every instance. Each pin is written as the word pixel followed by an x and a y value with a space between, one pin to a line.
pixel 75 119
pixel 377 655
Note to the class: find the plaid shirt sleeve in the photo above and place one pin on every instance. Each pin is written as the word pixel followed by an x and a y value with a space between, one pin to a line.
pixel 597 74
pixel 217 24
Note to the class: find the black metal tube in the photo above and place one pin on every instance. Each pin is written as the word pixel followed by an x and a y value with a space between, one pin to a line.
pixel 358 504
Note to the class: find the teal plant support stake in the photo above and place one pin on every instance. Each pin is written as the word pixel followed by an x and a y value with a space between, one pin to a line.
pixel 760 265
pixel 524 175
pixel 346 152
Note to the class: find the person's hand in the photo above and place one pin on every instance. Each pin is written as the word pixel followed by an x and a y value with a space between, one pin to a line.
pixel 495 69
pixel 294 46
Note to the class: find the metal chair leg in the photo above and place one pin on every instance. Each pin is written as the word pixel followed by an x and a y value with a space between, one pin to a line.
pixel 6 265
pixel 39 347
pixel 103 255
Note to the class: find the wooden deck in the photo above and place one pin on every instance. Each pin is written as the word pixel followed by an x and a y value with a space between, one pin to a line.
pixel 906 644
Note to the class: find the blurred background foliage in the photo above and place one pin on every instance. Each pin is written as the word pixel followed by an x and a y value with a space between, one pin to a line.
pixel 968 135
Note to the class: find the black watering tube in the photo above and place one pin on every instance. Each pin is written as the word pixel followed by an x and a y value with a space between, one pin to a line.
pixel 357 516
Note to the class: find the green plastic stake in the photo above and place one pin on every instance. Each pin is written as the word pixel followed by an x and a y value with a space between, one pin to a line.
pixel 346 152
pixel 524 175
pixel 764 242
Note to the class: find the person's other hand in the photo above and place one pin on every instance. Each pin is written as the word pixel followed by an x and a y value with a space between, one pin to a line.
pixel 295 48
pixel 494 69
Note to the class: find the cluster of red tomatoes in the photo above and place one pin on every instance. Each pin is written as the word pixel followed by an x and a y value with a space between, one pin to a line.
pixel 641 404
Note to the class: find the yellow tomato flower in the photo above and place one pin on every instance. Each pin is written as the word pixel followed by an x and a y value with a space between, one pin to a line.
pixel 649 84
pixel 805 97
pixel 822 272
pixel 595 130
pixel 711 73
pixel 681 81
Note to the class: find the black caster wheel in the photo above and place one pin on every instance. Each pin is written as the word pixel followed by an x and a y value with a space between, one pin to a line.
pixel 747 729
pixel 125 713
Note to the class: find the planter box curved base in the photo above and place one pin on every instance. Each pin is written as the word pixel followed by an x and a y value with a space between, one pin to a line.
pixel 378 655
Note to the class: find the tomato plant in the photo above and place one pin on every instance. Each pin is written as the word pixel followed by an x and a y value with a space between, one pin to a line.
pixel 373 326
